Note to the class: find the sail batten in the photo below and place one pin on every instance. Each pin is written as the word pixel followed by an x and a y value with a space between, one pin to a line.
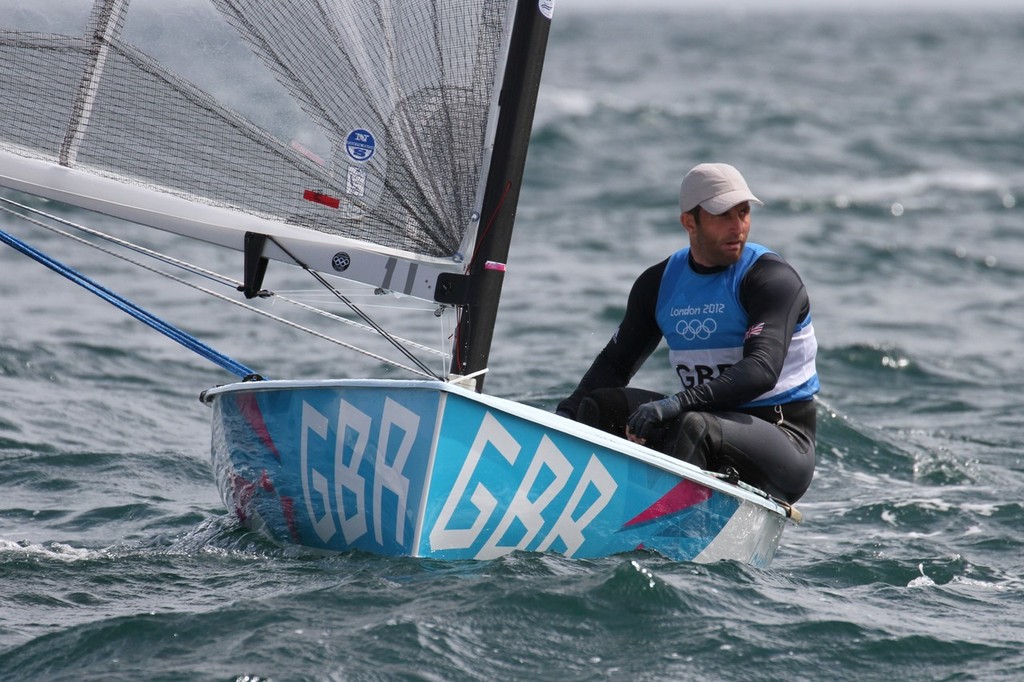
pixel 108 19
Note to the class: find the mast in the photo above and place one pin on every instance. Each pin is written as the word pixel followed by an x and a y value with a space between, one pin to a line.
pixel 517 101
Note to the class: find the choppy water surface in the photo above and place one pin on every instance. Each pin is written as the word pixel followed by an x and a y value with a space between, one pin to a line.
pixel 887 149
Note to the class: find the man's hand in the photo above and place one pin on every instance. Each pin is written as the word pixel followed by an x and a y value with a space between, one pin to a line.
pixel 649 414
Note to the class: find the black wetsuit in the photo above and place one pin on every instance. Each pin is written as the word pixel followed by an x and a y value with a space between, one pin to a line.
pixel 771 447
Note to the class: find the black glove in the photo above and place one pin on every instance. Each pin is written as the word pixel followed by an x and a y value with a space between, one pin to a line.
pixel 654 412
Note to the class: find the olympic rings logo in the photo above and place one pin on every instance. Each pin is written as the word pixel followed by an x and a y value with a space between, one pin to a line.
pixel 696 329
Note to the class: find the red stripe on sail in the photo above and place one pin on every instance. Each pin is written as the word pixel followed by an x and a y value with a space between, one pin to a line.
pixel 684 495
pixel 318 198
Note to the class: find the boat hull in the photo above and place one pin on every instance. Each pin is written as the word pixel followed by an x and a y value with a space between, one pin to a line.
pixel 426 469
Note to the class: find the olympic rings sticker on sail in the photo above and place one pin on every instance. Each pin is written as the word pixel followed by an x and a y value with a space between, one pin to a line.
pixel 341 261
pixel 696 329
pixel 360 145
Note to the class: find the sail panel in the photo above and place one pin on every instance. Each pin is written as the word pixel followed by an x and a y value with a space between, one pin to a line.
pixel 400 95
pixel 37 97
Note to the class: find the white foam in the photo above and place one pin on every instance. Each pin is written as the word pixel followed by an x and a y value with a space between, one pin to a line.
pixel 923 580
pixel 55 550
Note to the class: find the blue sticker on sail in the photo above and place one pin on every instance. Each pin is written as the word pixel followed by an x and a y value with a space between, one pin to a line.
pixel 360 145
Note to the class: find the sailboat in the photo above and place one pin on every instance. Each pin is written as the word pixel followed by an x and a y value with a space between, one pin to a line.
pixel 386 147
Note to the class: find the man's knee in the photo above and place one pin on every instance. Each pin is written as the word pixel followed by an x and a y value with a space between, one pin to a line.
pixel 694 426
pixel 606 409
pixel 698 440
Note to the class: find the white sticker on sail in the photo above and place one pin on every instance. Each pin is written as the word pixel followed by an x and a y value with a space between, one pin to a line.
pixel 547 7
pixel 356 184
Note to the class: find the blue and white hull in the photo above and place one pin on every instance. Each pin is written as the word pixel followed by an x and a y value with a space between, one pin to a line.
pixel 428 469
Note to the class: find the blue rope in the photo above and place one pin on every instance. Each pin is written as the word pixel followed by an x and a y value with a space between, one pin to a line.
pixel 169 330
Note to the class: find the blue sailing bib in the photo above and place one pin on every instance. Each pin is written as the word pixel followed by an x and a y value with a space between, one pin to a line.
pixel 705 327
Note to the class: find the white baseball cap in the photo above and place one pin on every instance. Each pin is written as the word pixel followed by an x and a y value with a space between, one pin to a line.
pixel 717 187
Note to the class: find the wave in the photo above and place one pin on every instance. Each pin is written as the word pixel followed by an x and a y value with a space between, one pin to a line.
pixel 523 615
pixel 857 176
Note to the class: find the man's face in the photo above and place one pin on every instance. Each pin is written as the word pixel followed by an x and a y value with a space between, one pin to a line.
pixel 718 240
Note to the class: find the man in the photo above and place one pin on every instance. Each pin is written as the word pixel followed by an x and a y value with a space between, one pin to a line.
pixel 737 321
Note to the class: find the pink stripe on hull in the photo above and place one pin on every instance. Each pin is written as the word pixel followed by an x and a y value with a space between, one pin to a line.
pixel 683 496
pixel 250 409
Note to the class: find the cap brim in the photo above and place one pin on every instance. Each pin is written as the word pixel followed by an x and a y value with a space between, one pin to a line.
pixel 723 202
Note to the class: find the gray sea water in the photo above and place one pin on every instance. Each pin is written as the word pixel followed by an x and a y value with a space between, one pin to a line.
pixel 888 149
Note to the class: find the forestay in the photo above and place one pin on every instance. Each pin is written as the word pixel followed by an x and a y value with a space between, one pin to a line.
pixel 355 133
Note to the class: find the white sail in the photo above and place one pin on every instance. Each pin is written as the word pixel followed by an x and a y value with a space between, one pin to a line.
pixel 357 133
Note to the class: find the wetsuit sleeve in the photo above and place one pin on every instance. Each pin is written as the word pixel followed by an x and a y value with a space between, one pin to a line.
pixel 775 300
pixel 632 343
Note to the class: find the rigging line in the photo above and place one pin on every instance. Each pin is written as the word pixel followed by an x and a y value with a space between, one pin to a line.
pixel 118 301
pixel 362 293
pixel 241 304
pixel 366 318
pixel 330 298
pixel 169 260
pixel 337 318
pixel 445 341
pixel 187 267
